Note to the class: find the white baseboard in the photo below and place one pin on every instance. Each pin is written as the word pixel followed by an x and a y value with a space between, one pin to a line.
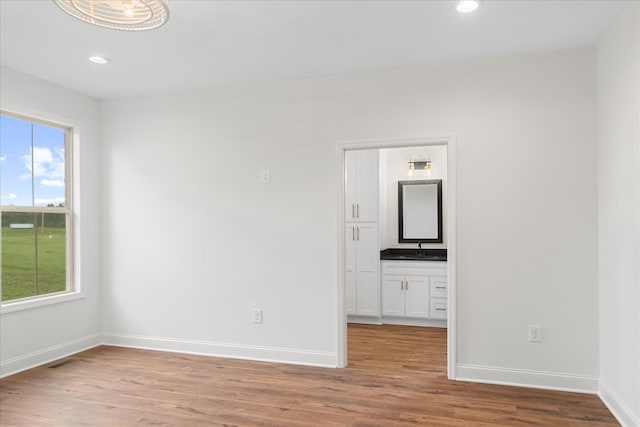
pixel 233 351
pixel 617 406
pixel 405 321
pixel 526 378
pixel 364 320
pixel 49 354
pixel 427 323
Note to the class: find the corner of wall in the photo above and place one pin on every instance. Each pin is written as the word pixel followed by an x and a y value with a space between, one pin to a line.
pixel 617 406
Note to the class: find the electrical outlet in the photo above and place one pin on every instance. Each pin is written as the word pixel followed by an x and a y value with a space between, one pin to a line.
pixel 257 315
pixel 265 176
pixel 535 333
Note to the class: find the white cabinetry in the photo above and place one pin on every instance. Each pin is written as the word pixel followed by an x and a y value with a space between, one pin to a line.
pixel 361 186
pixel 362 269
pixel 414 290
pixel 405 296
pixel 438 296
pixel 362 261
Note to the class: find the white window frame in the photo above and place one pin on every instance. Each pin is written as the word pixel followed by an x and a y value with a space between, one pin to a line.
pixel 72 290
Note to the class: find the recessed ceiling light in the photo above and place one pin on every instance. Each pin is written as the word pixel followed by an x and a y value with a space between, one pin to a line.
pixel 467 6
pixel 101 60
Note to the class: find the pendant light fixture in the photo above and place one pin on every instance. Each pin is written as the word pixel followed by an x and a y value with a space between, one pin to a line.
pixel 126 15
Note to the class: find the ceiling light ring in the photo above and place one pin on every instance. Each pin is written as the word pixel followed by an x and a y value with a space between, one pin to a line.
pixel 467 6
pixel 96 20
pixel 139 15
pixel 100 60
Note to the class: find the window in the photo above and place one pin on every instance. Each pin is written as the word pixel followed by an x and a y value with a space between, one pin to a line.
pixel 35 209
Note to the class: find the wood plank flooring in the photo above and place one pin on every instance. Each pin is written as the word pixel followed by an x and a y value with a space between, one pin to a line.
pixel 396 376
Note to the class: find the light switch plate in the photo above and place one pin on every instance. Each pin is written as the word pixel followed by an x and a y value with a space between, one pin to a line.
pixel 535 333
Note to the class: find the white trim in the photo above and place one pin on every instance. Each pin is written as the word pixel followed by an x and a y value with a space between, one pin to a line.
pixel 450 142
pixel 408 321
pixel 32 209
pixel 74 233
pixel 38 114
pixel 364 320
pixel 39 301
pixel 227 350
pixel 452 257
pixel 527 378
pixel 49 354
pixel 617 406
pixel 341 296
pixel 390 320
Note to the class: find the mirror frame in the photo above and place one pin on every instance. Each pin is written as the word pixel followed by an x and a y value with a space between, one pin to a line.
pixel 401 185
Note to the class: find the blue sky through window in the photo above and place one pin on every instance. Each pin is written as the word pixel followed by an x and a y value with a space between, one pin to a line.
pixel 27 160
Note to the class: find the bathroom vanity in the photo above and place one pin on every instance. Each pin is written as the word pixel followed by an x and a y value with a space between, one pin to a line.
pixel 414 287
pixel 399 285
pixel 412 290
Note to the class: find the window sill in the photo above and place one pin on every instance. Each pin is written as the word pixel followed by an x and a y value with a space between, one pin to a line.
pixel 29 304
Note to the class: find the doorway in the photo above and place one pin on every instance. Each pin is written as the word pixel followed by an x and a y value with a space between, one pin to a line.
pixel 342 149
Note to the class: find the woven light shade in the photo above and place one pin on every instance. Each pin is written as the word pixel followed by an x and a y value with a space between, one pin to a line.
pixel 127 15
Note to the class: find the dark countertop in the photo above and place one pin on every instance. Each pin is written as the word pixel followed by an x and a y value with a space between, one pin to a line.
pixel 414 254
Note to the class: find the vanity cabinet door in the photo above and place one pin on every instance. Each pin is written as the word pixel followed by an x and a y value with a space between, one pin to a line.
pixel 414 289
pixel 416 296
pixel 392 295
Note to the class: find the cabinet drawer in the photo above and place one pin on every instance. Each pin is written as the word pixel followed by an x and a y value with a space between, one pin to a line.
pixel 438 286
pixel 438 308
pixel 414 267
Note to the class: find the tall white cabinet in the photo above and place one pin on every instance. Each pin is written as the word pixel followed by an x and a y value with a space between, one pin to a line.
pixel 361 186
pixel 361 233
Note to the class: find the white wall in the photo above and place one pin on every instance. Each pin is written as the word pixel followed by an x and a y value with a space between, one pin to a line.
pixel 193 241
pixel 619 215
pixel 395 169
pixel 37 335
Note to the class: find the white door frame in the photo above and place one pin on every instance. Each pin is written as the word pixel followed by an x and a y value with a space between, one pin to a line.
pixel 450 143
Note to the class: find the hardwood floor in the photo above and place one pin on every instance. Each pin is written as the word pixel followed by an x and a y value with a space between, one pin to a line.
pixel 396 376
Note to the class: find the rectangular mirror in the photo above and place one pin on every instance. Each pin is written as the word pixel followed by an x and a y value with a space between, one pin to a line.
pixel 420 211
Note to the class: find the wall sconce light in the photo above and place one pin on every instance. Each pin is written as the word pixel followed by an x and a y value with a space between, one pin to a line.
pixel 419 164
